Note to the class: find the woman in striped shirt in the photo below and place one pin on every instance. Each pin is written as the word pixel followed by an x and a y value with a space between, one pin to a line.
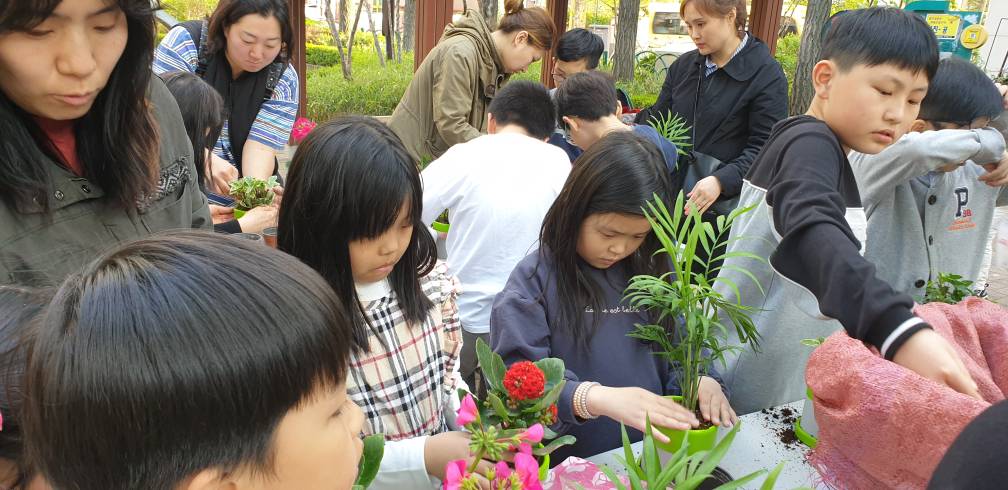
pixel 242 52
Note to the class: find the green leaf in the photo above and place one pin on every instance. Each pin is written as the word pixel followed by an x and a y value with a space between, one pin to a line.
pixel 652 467
pixel 498 406
pixel 555 444
pixel 367 468
pixel 609 473
pixel 741 482
pixel 492 365
pixel 771 479
pixel 550 397
pixel 553 368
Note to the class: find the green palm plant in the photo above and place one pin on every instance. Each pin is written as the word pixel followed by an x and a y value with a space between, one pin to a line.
pixel 689 331
pixel 674 129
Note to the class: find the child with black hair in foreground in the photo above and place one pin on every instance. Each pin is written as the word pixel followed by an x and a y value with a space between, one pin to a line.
pixel 809 221
pixel 930 197
pixel 142 374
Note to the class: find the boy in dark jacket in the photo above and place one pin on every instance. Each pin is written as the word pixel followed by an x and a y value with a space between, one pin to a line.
pixel 808 218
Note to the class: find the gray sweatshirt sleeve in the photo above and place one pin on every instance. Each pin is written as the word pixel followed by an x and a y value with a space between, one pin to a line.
pixel 916 154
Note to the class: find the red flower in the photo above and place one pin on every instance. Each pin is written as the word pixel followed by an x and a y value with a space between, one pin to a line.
pixel 524 381
pixel 553 411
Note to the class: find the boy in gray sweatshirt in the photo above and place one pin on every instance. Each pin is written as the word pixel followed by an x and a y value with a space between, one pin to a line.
pixel 930 197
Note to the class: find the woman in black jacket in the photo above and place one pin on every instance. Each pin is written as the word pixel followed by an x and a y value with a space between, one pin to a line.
pixel 730 90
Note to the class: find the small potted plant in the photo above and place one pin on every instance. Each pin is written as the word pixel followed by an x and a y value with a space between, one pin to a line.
pixel 250 192
pixel 948 288
pixel 673 128
pixel 683 470
pixel 689 331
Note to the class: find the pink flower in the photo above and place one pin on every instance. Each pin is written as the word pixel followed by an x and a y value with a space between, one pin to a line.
pixel 502 472
pixel 528 471
pixel 532 434
pixel 525 448
pixel 455 472
pixel 302 127
pixel 467 413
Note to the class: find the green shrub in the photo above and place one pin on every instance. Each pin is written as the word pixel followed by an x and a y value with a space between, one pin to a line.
pixel 373 91
pixel 321 55
pixel 787 56
pixel 598 19
pixel 189 9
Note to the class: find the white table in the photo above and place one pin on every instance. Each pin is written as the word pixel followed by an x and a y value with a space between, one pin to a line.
pixel 757 446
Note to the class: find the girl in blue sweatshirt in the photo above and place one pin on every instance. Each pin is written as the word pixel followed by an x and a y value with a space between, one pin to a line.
pixel 566 301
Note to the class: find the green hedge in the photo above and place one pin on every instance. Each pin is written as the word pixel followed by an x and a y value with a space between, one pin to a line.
pixel 321 55
pixel 787 56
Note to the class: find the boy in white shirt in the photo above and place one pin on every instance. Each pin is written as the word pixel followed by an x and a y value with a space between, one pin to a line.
pixel 497 189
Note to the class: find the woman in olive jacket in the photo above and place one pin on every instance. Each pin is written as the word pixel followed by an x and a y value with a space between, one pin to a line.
pixel 94 150
pixel 446 102
pixel 742 94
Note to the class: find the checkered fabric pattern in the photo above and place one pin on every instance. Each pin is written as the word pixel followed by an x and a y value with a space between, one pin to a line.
pixel 405 383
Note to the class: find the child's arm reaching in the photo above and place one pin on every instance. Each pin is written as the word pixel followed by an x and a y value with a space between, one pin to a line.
pixel 916 154
pixel 819 252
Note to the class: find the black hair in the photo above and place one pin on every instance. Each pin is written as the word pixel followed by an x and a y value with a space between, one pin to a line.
pixel 229 12
pixel 882 35
pixel 203 113
pixel 19 309
pixel 117 140
pixel 589 95
pixel 619 174
pixel 525 104
pixel 577 44
pixel 959 93
pixel 175 354
pixel 348 181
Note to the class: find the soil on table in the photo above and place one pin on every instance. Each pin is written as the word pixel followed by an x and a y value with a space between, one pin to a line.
pixel 782 421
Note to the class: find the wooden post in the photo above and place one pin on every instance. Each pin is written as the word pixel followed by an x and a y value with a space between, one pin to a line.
pixel 431 18
pixel 297 51
pixel 764 21
pixel 558 10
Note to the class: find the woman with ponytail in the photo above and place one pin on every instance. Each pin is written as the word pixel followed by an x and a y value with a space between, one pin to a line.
pixel 447 100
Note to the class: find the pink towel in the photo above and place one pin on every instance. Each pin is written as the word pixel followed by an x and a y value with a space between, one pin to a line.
pixel 884 426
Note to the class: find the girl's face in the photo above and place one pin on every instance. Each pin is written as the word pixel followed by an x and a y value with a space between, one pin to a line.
pixel 316 445
pixel 710 33
pixel 253 42
pixel 607 238
pixel 372 260
pixel 520 53
pixel 56 69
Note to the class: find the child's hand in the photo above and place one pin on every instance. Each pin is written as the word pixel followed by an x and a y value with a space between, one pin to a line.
pixel 714 406
pixel 632 407
pixel 440 449
pixel 931 356
pixel 704 193
pixel 997 173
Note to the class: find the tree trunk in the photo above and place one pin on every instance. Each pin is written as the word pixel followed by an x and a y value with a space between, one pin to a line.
pixel 626 39
pixel 344 60
pixel 816 15
pixel 409 24
pixel 344 16
pixel 374 33
pixel 489 10
pixel 577 13
pixel 397 31
pixel 388 19
pixel 353 29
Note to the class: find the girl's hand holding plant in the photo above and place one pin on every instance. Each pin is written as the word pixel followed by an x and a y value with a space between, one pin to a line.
pixel 714 405
pixel 632 406
pixel 441 449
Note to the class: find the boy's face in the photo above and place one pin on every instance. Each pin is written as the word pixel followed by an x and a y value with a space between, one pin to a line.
pixel 868 107
pixel 564 69
pixel 316 446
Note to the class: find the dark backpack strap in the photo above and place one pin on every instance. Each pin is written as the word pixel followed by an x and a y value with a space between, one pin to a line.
pixel 276 70
pixel 197 31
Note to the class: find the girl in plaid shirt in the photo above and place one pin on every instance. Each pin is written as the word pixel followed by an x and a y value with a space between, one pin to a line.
pixel 351 210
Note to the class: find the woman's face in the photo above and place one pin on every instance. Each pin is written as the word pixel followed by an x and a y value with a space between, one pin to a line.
pixel 253 42
pixel 710 33
pixel 520 53
pixel 57 68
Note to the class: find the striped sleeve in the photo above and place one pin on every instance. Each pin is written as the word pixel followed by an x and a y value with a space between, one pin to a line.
pixel 273 124
pixel 176 52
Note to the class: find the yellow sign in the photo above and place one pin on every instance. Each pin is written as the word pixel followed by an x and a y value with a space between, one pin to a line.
pixel 945 26
pixel 973 36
